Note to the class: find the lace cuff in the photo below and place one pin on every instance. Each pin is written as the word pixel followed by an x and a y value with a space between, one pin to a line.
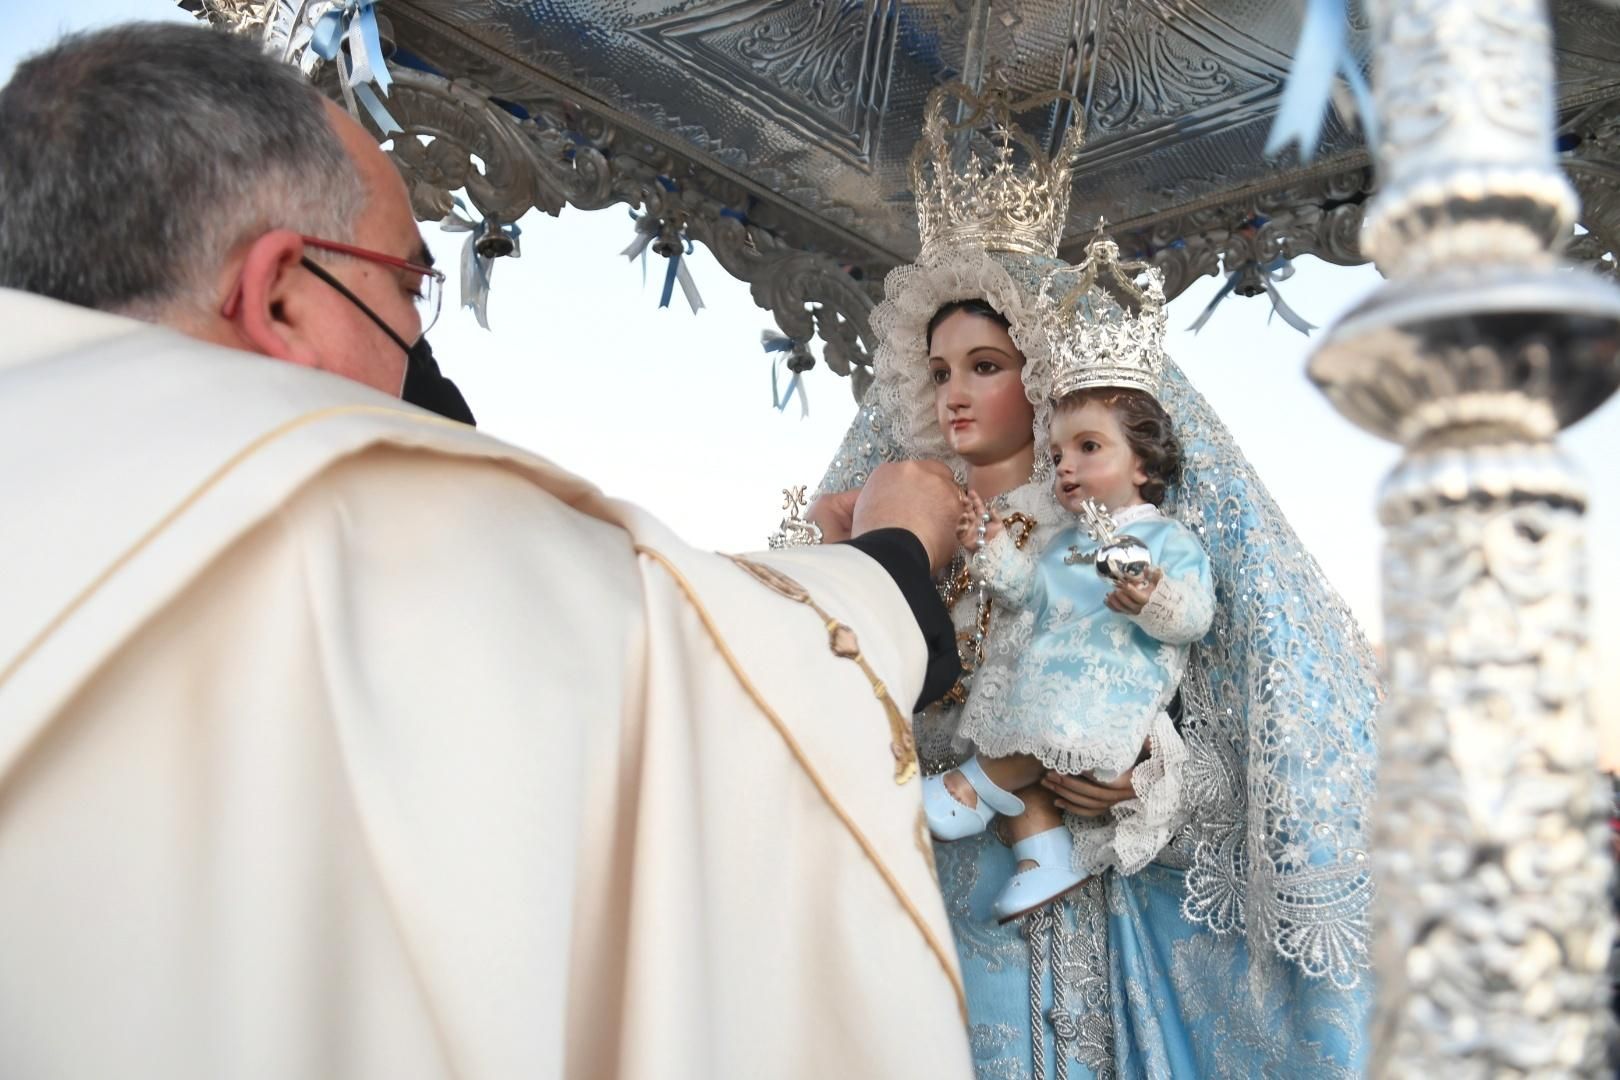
pixel 1180 610
pixel 1141 827
pixel 1008 572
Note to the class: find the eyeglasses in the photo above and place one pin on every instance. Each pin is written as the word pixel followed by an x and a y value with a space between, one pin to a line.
pixel 429 288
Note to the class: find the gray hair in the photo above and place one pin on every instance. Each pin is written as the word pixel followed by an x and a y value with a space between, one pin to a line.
pixel 133 160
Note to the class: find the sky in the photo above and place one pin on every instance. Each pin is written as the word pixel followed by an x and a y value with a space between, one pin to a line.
pixel 673 410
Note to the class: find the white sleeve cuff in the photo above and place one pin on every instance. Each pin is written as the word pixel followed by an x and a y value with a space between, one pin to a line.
pixel 1179 611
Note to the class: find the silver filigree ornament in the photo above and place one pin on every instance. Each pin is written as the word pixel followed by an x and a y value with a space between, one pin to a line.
pixel 794 531
pixel 1119 557
pixel 248 18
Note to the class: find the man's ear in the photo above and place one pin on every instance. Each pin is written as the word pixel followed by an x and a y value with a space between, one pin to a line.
pixel 271 313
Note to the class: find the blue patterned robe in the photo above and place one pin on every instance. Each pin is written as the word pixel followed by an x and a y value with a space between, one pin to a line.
pixel 1127 988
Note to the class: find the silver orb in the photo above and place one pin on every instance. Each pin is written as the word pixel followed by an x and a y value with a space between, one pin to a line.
pixel 1124 558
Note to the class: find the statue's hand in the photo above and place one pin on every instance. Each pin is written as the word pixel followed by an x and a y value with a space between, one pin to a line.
pixel 1086 797
pixel 967 528
pixel 1130 597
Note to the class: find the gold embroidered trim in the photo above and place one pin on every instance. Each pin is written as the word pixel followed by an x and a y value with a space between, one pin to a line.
pixel 842 641
pixel 799 755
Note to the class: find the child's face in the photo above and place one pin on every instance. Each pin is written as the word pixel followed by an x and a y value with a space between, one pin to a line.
pixel 1093 459
pixel 979 389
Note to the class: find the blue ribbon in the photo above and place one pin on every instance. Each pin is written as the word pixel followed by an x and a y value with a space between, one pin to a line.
pixel 678 271
pixel 647 229
pixel 327 35
pixel 689 287
pixel 1278 269
pixel 1209 309
pixel 1269 278
pixel 783 348
pixel 379 112
pixel 1321 56
pixel 357 21
pixel 669 280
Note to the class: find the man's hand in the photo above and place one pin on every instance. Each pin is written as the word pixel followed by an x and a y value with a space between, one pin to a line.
pixel 919 496
pixel 1089 798
pixel 835 513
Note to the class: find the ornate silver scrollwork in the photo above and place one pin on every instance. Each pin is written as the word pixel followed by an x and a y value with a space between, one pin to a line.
pixel 810 294
pixel 1494 920
pixel 1147 76
pixel 1495 929
pixel 795 530
pixel 1173 91
pixel 456 135
pixel 819 55
pixel 245 17
pixel 1321 218
pixel 450 126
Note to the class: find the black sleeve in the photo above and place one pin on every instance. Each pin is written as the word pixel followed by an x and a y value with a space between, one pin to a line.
pixel 900 553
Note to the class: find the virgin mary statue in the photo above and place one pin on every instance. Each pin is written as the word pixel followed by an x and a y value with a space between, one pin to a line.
pixel 1242 949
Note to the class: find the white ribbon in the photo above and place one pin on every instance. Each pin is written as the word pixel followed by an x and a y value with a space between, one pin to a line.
pixel 476 269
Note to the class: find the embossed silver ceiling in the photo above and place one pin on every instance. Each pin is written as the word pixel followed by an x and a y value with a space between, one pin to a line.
pixel 816 104
pixel 801 114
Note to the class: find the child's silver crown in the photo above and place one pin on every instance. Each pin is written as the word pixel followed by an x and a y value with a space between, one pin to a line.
pixel 1107 328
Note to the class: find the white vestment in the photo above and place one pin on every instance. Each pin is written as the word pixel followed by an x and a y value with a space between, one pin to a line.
pixel 337 740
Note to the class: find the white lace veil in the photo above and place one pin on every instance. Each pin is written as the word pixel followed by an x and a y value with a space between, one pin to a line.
pixel 1280 715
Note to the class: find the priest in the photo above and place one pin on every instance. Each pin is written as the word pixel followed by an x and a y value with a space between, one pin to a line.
pixel 337 739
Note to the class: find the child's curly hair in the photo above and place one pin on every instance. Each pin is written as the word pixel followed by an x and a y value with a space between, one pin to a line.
pixel 1147 428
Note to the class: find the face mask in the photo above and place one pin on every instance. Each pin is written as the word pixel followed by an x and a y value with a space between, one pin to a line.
pixel 424 387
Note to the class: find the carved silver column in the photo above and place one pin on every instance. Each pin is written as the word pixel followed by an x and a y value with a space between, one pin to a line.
pixel 1494 911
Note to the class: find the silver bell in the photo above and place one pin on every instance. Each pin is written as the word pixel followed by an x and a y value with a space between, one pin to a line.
pixel 494 245
pixel 669 242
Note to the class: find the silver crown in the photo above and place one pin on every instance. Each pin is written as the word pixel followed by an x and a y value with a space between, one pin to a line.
pixel 1105 327
pixel 996 204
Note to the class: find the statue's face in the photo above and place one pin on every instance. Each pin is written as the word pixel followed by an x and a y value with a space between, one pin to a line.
pixel 979 395
pixel 1092 458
